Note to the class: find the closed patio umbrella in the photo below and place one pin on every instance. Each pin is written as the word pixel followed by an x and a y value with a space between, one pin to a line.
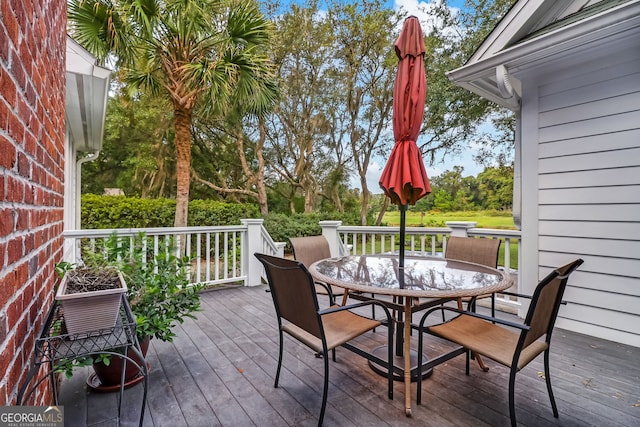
pixel 404 178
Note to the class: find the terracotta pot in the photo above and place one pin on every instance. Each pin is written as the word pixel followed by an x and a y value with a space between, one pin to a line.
pixel 107 378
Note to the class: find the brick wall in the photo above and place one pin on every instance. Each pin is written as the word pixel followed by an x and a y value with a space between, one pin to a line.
pixel 32 131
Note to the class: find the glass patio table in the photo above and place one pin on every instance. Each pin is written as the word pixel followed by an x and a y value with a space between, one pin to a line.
pixel 436 279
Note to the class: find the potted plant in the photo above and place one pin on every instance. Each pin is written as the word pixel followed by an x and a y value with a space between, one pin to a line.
pixel 90 297
pixel 158 292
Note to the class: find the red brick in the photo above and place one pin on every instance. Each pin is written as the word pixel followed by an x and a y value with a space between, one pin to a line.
pixel 8 157
pixel 24 165
pixel 5 356
pixel 7 88
pixel 22 274
pixel 17 70
pixel 3 395
pixel 6 222
pixel 3 253
pixel 4 110
pixel 10 22
pixel 15 189
pixel 14 312
pixel 32 46
pixel 16 129
pixel 4 45
pixel 15 250
pixel 29 194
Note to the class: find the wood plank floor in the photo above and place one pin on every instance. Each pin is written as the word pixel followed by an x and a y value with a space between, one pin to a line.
pixel 220 371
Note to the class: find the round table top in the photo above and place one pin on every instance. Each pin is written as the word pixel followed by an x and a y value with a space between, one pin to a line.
pixel 424 277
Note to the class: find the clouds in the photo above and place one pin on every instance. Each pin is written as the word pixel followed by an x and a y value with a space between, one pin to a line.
pixel 423 9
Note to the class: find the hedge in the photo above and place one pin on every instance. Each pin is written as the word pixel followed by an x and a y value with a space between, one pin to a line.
pixel 100 212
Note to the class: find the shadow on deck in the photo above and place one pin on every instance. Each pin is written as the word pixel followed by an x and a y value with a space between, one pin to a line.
pixel 220 370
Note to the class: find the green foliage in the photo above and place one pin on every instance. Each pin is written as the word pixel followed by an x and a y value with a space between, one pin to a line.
pixel 209 212
pixel 158 289
pixel 281 226
pixel 62 267
pixel 451 192
pixel 485 219
pixel 126 212
pixel 66 366
pixel 99 212
pixel 137 153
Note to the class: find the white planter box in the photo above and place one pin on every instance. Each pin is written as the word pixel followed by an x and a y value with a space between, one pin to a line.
pixel 90 311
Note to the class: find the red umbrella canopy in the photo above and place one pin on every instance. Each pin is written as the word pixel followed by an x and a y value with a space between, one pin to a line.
pixel 404 178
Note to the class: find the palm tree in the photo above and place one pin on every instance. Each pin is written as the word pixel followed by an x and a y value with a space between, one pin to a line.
pixel 199 54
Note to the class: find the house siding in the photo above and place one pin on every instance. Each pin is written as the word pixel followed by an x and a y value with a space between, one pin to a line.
pixel 589 191
pixel 32 131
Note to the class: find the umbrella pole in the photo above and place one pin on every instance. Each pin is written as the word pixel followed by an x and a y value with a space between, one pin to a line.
pixel 403 213
pixel 400 323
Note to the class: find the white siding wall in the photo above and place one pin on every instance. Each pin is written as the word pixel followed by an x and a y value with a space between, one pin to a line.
pixel 589 192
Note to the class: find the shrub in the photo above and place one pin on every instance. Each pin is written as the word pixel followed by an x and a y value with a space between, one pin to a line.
pixel 281 226
pixel 100 212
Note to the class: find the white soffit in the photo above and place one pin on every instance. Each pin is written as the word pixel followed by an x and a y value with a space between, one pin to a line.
pixel 505 45
pixel 87 88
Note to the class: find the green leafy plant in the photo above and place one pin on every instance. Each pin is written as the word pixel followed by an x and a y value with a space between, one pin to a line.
pixel 158 288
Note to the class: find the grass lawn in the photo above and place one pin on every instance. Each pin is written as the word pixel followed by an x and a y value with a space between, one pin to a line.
pixel 485 219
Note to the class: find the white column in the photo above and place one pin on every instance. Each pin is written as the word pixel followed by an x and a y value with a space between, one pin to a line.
pixel 460 228
pixel 253 244
pixel 330 232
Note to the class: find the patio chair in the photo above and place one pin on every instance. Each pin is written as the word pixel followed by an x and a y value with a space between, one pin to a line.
pixel 310 249
pixel 479 251
pixel 296 303
pixel 484 334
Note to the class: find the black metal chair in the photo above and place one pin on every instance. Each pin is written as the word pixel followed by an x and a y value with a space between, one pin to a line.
pixel 309 249
pixel 482 251
pixel 296 303
pixel 483 334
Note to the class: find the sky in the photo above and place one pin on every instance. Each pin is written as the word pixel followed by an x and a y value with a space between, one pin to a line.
pixel 464 159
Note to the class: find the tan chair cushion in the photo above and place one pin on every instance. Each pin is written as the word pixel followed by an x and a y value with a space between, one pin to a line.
pixel 488 339
pixel 339 328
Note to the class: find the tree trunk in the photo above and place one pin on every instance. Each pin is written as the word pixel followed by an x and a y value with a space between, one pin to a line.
pixel 365 199
pixel 183 163
pixel 385 205
pixel 261 186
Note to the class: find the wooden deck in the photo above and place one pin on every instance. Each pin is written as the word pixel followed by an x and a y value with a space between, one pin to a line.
pixel 220 371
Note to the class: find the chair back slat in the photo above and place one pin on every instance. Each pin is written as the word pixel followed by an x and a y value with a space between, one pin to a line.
pixel 545 302
pixel 293 293
pixel 310 249
pixel 477 250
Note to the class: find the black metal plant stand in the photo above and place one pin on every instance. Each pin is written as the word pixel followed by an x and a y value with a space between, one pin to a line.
pixel 54 347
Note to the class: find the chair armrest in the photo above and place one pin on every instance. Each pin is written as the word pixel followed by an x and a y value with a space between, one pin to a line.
pixel 473 314
pixel 514 294
pixel 357 305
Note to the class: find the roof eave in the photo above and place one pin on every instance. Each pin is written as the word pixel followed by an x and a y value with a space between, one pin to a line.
pixel 479 77
pixel 87 88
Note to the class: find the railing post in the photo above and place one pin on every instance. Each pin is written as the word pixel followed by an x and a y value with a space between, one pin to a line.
pixel 330 231
pixel 460 228
pixel 253 244
pixel 71 250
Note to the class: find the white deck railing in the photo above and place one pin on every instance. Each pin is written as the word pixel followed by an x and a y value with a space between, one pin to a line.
pixel 424 241
pixel 219 255
pixel 224 254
